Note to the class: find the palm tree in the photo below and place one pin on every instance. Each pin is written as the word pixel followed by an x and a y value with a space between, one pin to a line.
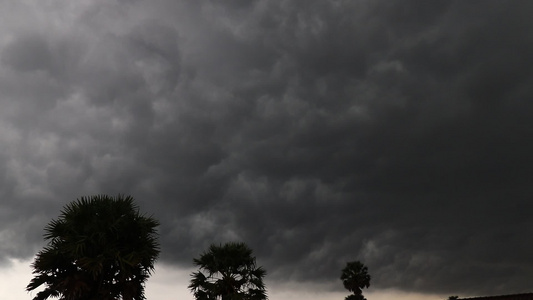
pixel 228 272
pixel 354 278
pixel 100 247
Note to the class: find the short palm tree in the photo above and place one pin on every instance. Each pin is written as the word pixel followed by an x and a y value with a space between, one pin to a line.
pixel 355 277
pixel 228 272
pixel 100 247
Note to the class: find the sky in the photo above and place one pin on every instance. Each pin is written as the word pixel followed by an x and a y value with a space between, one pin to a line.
pixel 396 133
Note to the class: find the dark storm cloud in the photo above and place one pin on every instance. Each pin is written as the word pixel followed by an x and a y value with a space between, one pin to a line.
pixel 318 132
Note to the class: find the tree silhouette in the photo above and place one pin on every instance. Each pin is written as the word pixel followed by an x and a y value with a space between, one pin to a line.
pixel 228 272
pixel 100 247
pixel 354 278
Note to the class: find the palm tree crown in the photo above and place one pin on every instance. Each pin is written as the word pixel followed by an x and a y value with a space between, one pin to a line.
pixel 355 277
pixel 100 247
pixel 228 272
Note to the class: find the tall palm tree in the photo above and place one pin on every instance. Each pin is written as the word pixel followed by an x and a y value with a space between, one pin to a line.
pixel 355 277
pixel 228 272
pixel 100 247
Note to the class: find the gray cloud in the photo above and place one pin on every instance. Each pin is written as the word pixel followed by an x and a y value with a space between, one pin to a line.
pixel 316 131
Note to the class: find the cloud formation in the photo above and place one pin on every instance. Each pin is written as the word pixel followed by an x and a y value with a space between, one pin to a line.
pixel 318 132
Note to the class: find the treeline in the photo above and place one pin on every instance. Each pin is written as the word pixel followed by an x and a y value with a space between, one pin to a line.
pixel 103 248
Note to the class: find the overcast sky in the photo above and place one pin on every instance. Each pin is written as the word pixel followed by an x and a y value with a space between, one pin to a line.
pixel 397 133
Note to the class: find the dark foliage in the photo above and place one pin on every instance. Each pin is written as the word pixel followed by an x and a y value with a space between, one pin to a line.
pixel 228 272
pixel 355 277
pixel 100 247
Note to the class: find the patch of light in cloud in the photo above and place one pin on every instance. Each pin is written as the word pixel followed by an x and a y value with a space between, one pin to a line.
pixel 14 276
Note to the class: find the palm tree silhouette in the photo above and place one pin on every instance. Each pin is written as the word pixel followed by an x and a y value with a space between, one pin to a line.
pixel 355 277
pixel 228 272
pixel 100 247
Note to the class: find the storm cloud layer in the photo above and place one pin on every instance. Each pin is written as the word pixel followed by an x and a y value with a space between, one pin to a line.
pixel 398 133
